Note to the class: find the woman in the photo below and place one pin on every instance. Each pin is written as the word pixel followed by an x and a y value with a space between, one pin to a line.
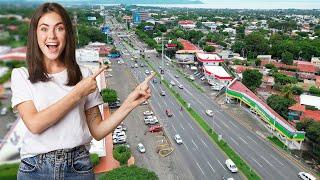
pixel 58 101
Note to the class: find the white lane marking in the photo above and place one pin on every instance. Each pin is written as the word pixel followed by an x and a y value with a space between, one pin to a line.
pixel 194 144
pixel 221 165
pixel 225 124
pixel 200 168
pixel 203 142
pixel 217 125
pixel 277 160
pixel 182 126
pixel 186 147
pixel 266 161
pixel 243 140
pixel 234 141
pixel 174 128
pixel 190 126
pixel 252 139
pixel 211 166
pixel 233 124
pixel 256 162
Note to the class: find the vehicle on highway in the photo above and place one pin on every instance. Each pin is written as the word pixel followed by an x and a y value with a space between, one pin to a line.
pixel 178 139
pixel 144 103
pixel 160 67
pixel 180 86
pixel 162 93
pixel 148 113
pixel 306 176
pixel 191 77
pixel 155 128
pixel 172 83
pixel 114 105
pixel 147 71
pixel 132 66
pixel 142 65
pixel 176 76
pixel 141 148
pixel 169 113
pixel 154 80
pixel 108 75
pixel 227 178
pixel 167 64
pixel 231 166
pixel 136 65
pixel 3 111
pixel 209 112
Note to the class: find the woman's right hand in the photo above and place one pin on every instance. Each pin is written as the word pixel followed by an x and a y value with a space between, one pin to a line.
pixel 88 85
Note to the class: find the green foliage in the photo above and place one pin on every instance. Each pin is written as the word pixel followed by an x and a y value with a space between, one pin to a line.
pixel 122 154
pixel 277 142
pixel 287 58
pixel 209 48
pixel 94 158
pixel 283 79
pixel 314 91
pixel 257 62
pixel 130 173
pixel 252 79
pixel 5 77
pixel 296 90
pixel 280 104
pixel 269 66
pixel 109 95
pixel 9 171
pixel 90 34
pixel 256 44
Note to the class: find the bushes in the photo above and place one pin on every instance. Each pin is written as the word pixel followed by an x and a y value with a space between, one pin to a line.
pixel 109 95
pixel 130 173
pixel 314 91
pixel 9 171
pixel 94 158
pixel 122 154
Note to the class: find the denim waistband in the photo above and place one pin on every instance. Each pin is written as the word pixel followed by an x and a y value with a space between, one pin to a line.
pixel 64 154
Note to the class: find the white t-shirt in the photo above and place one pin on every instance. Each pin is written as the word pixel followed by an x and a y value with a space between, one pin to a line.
pixel 71 130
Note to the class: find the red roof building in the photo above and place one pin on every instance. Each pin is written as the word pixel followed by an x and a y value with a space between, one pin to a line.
pixel 307 67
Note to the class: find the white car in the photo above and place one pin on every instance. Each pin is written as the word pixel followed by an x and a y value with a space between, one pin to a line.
pixel 176 76
pixel 178 139
pixel 203 78
pixel 144 103
pixel 209 112
pixel 141 148
pixel 180 86
pixel 306 176
pixel 119 140
pixel 172 83
pixel 231 166
pixel 150 117
pixel 148 113
pixel 147 71
pixel 3 111
pixel 191 77
pixel 119 135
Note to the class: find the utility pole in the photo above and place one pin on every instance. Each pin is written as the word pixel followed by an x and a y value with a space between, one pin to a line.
pixel 162 51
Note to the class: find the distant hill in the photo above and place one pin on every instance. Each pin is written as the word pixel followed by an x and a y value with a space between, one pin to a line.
pixel 115 1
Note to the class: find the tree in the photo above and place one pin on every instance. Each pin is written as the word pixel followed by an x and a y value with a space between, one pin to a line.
pixel 109 95
pixel 122 154
pixel 209 48
pixel 252 79
pixel 283 79
pixel 280 104
pixel 129 173
pixel 296 90
pixel 287 58
pixel 314 91
pixel 257 62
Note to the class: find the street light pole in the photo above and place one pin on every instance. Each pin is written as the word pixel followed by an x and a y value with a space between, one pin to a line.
pixel 212 124
pixel 162 51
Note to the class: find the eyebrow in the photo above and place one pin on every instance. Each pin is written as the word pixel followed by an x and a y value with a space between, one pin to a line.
pixel 44 24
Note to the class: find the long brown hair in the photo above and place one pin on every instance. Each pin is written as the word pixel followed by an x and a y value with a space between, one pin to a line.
pixel 35 60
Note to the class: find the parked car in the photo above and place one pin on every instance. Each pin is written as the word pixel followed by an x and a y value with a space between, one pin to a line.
pixel 209 112
pixel 178 139
pixel 119 135
pixel 306 176
pixel 202 78
pixel 162 93
pixel 141 148
pixel 144 103
pixel 169 112
pixel 150 117
pixel 217 87
pixel 119 140
pixel 148 113
pixel 3 111
pixel 114 105
pixel 142 65
pixel 180 86
pixel 155 128
pixel 136 65
pixel 231 166
pixel 151 121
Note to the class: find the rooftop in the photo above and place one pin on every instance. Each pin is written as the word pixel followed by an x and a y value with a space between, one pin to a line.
pixel 218 72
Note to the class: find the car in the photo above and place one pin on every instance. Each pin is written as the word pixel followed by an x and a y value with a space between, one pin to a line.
pixel 154 80
pixel 172 83
pixel 209 112
pixel 155 128
pixel 227 178
pixel 108 75
pixel 176 76
pixel 162 93
pixel 119 128
pixel 202 78
pixel 119 140
pixel 114 105
pixel 191 77
pixel 141 148
pixel 180 86
pixel 3 111
pixel 151 117
pixel 132 65
pixel 151 121
pixel 148 113
pixel 167 64
pixel 231 166
pixel 136 65
pixel 147 71
pixel 306 176
pixel 142 65
pixel 217 87
pixel 160 67
pixel 119 135
pixel 144 103
pixel 169 113
pixel 161 71
pixel 178 139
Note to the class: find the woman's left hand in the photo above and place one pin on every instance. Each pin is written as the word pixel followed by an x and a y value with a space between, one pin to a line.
pixel 140 94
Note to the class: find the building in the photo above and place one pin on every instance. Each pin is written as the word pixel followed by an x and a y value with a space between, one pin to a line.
pixel 187 24
pixel 307 107
pixel 264 57
pixel 187 54
pixel 87 55
pixel 315 61
pixel 139 16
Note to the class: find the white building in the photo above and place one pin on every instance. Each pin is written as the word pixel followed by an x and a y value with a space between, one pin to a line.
pixel 87 55
pixel 310 100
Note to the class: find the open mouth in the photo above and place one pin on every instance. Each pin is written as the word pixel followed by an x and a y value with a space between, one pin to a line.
pixel 52 47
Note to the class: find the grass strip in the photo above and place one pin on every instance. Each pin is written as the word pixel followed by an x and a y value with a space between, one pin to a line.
pixel 277 142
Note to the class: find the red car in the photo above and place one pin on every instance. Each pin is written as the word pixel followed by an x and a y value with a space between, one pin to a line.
pixel 169 112
pixel 155 128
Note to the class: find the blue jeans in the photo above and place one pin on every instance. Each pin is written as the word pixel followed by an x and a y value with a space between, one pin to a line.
pixel 62 164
